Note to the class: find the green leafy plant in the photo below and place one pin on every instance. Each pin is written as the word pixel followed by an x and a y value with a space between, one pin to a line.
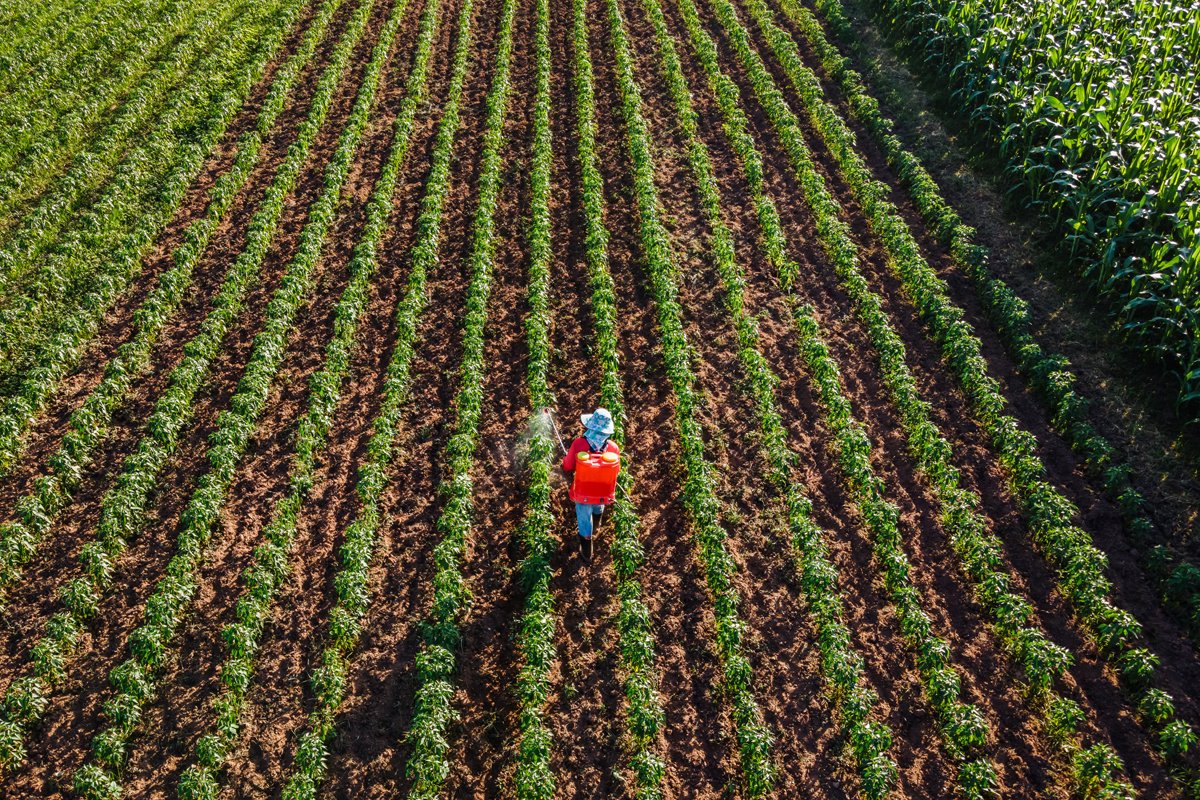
pixel 536 630
pixel 427 766
pixel 1091 107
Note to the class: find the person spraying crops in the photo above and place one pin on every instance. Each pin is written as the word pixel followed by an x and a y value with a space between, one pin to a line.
pixel 594 461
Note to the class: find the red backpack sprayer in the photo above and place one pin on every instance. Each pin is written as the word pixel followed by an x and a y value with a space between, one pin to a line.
pixel 595 461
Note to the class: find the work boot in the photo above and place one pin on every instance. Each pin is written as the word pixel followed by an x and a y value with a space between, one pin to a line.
pixel 585 548
pixel 596 522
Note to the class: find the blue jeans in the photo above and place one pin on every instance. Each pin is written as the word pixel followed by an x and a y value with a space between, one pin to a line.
pixel 583 515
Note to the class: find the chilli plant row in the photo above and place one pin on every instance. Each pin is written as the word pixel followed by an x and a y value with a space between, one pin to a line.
pixel 842 666
pixel 963 728
pixel 1049 373
pixel 1067 547
pixel 88 425
pixel 699 491
pixel 536 630
pixel 134 680
pixel 30 246
pixel 119 230
pixel 351 582
pixel 1090 105
pixel 643 710
pixel 428 766
pixel 123 505
pixel 97 256
pixel 122 508
pixel 57 127
pixel 270 567
pixel 979 550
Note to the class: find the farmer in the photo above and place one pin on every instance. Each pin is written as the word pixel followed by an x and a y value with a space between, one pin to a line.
pixel 594 460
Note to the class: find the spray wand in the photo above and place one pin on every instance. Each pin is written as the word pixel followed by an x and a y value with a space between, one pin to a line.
pixel 549 414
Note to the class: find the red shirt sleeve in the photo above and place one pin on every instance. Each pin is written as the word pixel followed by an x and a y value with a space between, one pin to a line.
pixel 577 446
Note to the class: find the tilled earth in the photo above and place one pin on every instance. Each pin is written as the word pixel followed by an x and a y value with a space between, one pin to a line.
pixel 585 712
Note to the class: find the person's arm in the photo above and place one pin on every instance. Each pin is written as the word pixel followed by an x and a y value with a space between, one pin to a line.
pixel 568 463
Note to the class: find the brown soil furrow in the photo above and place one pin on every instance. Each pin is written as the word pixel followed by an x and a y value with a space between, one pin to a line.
pixel 371 731
pixel 47 431
pixel 183 713
pixel 484 738
pixel 30 602
pixel 1022 754
pixel 585 713
pixel 58 745
pixel 699 746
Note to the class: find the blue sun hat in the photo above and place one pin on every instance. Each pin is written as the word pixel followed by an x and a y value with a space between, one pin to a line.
pixel 597 427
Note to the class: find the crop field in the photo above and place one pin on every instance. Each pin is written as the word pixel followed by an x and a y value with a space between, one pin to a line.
pixel 285 287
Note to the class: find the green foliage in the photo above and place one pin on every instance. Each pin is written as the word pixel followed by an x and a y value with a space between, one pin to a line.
pixel 102 245
pixel 536 630
pixel 1091 106
pixel 88 426
pixel 108 225
pixel 1067 547
pixel 427 766
pixel 147 52
pixel 962 726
